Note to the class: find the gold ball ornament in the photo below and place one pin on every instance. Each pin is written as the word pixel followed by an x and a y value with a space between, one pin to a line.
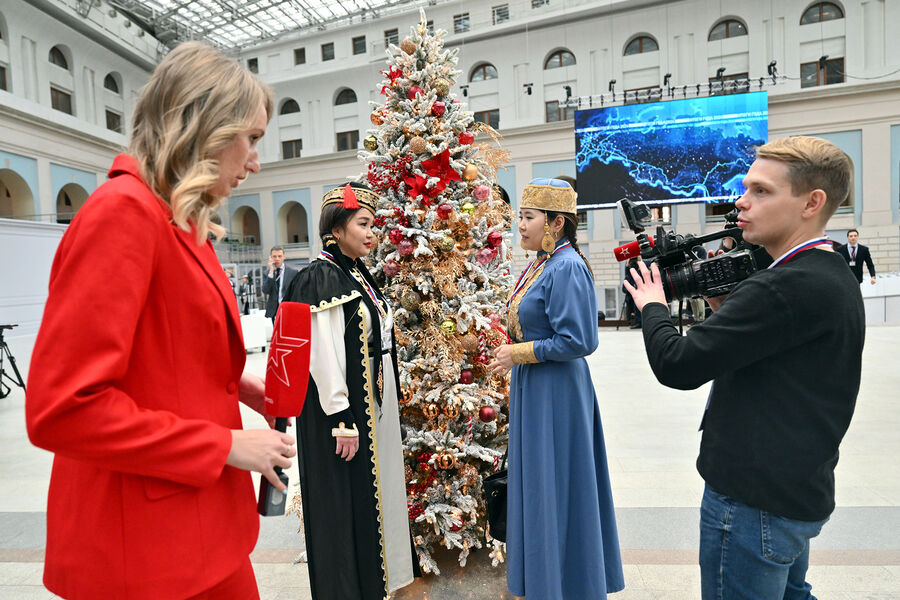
pixel 408 46
pixel 470 173
pixel 469 342
pixel 447 243
pixel 451 411
pixel 376 117
pixel 410 300
pixel 417 144
pixel 468 207
pixel 431 410
pixel 448 326
pixel 441 86
pixel 445 460
pixel 370 143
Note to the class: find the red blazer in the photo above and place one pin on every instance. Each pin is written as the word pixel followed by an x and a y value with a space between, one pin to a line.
pixel 134 386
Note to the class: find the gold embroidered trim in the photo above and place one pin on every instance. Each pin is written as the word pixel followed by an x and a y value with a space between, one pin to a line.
pixel 523 354
pixel 515 327
pixel 373 442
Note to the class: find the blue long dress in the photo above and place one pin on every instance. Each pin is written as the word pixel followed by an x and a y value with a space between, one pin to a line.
pixel 562 542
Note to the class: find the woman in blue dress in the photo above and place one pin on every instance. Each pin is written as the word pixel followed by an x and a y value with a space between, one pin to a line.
pixel 562 542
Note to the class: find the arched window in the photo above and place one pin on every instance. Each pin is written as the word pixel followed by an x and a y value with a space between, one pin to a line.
pixel 641 44
pixel 821 11
pixel 58 58
pixel 110 83
pixel 345 96
pixel 483 72
pixel 560 58
pixel 728 28
pixel 289 106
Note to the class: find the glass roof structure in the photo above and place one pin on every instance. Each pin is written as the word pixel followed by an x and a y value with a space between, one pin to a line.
pixel 235 24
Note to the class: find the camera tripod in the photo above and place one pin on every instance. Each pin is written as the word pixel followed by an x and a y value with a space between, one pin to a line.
pixel 5 388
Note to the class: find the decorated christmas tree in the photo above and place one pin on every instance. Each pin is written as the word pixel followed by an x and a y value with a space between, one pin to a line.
pixel 443 261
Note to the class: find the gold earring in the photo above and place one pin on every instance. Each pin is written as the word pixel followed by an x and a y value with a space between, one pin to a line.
pixel 548 244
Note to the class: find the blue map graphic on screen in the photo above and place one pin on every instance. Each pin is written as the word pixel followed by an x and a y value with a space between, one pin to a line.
pixel 697 148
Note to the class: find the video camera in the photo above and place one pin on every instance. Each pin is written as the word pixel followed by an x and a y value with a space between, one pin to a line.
pixel 686 271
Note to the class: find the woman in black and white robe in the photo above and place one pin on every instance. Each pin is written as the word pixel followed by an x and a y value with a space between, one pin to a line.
pixel 349 448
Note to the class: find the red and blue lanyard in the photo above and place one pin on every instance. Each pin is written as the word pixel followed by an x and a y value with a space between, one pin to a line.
pixel 365 285
pixel 793 252
pixel 532 267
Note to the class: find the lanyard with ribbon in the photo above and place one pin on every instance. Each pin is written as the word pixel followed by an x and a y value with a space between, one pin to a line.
pixel 793 252
pixel 365 284
pixel 532 267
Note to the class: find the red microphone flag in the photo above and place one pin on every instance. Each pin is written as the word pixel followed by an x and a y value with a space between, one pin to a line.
pixel 287 370
pixel 630 250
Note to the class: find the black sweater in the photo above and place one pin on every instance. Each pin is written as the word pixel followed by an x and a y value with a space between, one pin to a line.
pixel 785 352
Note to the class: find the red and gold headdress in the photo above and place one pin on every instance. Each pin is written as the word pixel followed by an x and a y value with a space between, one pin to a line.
pixel 351 197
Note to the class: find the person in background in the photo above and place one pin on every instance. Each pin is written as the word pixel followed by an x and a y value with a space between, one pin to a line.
pixel 856 254
pixel 246 295
pixel 352 480
pixel 277 281
pixel 561 535
pixel 138 367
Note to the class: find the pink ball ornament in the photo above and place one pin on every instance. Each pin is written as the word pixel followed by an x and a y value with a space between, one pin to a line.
pixel 391 268
pixel 483 358
pixel 438 108
pixel 444 210
pixel 396 236
pixel 486 255
pixel 482 192
pixel 414 91
pixel 466 377
pixel 494 239
pixel 405 247
pixel 495 319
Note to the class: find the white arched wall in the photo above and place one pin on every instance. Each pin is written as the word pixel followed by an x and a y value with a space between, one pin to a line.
pixel 16 198
pixel 293 224
pixel 245 225
pixel 76 196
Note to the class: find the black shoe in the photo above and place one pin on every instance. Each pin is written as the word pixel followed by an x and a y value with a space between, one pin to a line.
pixel 635 326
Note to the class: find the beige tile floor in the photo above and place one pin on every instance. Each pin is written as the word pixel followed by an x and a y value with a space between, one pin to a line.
pixel 652 440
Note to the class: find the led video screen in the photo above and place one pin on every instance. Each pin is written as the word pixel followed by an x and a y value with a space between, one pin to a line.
pixel 690 150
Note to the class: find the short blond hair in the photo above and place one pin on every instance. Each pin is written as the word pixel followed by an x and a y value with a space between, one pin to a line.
pixel 196 102
pixel 813 164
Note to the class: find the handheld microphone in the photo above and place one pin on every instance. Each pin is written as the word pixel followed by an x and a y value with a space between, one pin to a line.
pixel 630 250
pixel 287 377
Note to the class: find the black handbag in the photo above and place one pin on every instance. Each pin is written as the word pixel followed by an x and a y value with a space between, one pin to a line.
pixel 494 487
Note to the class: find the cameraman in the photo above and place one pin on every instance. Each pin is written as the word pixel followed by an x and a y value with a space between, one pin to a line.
pixel 784 350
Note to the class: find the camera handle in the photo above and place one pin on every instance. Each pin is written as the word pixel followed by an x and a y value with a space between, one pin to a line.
pixel 5 352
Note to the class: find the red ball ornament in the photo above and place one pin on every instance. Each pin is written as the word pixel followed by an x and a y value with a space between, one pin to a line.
pixel 494 239
pixel 414 91
pixel 405 247
pixel 456 527
pixel 466 138
pixel 438 108
pixel 444 210
pixel 482 358
pixel 391 268
pixel 396 236
pixel 487 414
pixel 466 377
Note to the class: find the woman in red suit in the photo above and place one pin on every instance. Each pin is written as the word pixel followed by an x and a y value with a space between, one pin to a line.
pixel 138 367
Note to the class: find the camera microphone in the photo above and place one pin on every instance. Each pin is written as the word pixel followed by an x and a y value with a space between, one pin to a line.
pixel 630 250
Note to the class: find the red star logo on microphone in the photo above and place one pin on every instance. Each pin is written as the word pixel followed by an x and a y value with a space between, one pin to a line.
pixel 279 352
pixel 625 252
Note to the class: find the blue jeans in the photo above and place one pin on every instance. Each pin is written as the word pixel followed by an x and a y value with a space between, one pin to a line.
pixel 751 554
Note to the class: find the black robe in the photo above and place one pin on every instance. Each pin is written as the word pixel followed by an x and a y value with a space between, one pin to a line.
pixel 341 500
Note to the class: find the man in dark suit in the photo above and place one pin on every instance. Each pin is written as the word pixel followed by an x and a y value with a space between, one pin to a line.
pixel 855 253
pixel 277 281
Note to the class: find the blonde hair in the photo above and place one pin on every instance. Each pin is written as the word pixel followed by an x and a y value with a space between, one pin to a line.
pixel 813 164
pixel 196 102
